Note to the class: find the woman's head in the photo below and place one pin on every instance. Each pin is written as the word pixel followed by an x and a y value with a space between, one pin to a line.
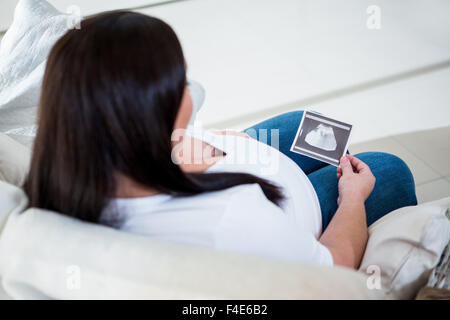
pixel 113 92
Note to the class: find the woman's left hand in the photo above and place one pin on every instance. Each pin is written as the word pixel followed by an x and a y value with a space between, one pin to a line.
pixel 356 180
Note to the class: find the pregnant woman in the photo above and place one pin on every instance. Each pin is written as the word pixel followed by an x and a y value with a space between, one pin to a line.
pixel 114 147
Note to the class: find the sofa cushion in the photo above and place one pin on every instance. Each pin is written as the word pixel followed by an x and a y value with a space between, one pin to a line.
pixel 404 247
pixel 46 255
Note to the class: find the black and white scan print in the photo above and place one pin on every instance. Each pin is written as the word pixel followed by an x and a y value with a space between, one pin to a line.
pixel 322 138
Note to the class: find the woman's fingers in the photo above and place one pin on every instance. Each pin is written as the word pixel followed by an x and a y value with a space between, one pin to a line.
pixel 358 164
pixel 350 164
pixel 339 172
pixel 345 165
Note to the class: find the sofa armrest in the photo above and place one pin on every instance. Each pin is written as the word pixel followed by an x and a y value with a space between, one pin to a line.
pixel 405 246
pixel 112 264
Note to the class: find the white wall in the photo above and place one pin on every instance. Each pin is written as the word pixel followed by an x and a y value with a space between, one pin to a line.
pixel 257 58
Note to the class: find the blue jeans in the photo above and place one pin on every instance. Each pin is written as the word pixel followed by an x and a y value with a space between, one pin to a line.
pixel 394 186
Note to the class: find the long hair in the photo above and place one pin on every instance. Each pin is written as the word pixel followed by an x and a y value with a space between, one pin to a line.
pixel 110 97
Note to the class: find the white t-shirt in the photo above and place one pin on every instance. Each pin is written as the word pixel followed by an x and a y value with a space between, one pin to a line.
pixel 239 219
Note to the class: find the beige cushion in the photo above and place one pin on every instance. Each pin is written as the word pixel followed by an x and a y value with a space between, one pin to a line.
pixel 45 255
pixel 405 246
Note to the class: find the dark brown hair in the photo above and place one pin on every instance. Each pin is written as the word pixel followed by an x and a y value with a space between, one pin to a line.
pixel 110 97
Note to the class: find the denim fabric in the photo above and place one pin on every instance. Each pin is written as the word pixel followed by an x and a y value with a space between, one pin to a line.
pixel 394 187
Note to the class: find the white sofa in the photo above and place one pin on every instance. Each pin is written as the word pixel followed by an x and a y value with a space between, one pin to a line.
pixel 45 255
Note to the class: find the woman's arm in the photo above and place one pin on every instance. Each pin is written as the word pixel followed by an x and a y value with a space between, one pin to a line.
pixel 346 235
